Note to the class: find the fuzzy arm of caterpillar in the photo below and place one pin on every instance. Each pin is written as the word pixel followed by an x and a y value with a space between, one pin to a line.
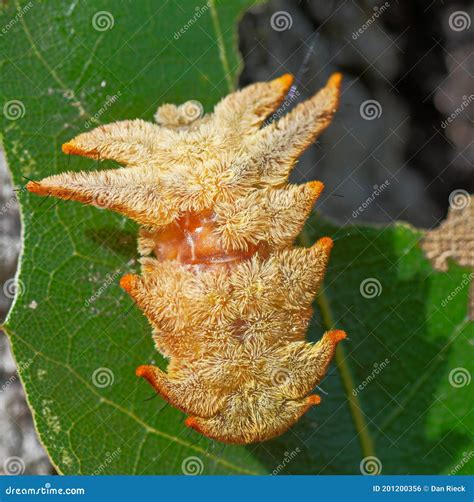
pixel 187 395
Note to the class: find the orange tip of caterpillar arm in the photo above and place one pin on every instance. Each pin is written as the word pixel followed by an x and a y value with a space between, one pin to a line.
pixel 144 372
pixel 313 400
pixel 127 282
pixel 285 80
pixel 191 422
pixel 316 187
pixel 335 80
pixel 35 187
pixel 336 335
pixel 70 148
pixel 325 242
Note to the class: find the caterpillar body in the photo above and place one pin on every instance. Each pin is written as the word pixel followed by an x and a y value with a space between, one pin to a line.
pixel 227 294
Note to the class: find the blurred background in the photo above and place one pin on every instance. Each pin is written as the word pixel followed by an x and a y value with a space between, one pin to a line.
pixel 407 67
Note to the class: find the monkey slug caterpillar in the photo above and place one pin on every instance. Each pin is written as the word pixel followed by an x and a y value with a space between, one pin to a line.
pixel 226 292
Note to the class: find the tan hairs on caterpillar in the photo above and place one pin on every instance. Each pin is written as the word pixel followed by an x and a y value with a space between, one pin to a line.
pixel 227 294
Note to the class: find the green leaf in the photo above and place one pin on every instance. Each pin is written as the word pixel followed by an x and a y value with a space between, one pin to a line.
pixel 78 338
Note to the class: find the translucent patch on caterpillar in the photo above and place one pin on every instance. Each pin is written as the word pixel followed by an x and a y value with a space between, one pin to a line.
pixel 227 294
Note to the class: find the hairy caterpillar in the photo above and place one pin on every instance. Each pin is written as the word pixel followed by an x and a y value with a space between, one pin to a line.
pixel 226 292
